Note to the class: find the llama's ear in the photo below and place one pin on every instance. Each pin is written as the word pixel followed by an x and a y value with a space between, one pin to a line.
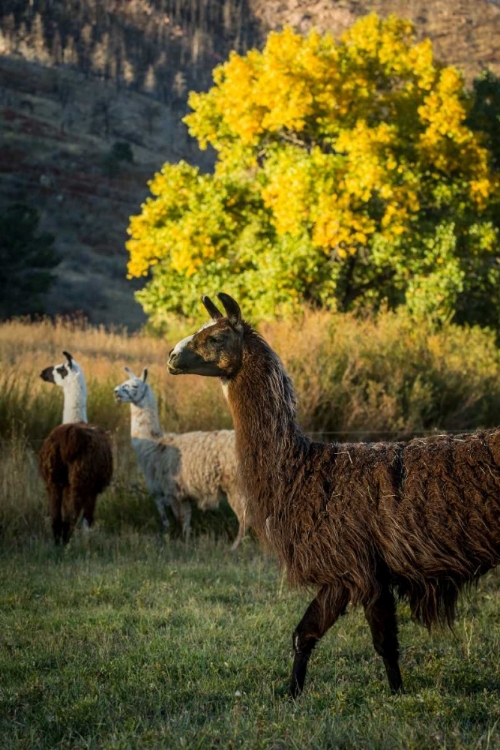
pixel 213 311
pixel 129 372
pixel 144 375
pixel 232 309
pixel 70 359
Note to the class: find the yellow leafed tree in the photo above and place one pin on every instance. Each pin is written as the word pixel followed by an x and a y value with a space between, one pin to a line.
pixel 347 175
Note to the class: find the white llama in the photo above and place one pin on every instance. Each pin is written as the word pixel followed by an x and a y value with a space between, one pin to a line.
pixel 178 468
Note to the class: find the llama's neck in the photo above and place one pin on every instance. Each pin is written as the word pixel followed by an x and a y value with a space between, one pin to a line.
pixel 145 424
pixel 263 406
pixel 75 400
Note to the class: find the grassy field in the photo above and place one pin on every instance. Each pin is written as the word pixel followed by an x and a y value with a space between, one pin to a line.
pixel 130 642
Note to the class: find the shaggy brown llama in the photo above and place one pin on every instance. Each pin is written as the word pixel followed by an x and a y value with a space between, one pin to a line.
pixel 359 522
pixel 76 460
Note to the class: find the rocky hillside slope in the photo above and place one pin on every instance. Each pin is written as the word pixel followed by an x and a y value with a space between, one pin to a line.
pixel 77 76
pixel 465 33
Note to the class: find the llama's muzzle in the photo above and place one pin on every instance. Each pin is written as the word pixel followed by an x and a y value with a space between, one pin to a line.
pixel 188 362
pixel 174 359
pixel 48 375
pixel 172 370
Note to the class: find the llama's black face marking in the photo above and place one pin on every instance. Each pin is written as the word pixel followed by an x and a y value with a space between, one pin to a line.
pixel 64 374
pixel 48 375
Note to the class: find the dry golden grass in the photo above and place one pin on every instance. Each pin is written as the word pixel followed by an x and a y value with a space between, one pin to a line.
pixel 356 379
pixel 31 406
pixel 367 377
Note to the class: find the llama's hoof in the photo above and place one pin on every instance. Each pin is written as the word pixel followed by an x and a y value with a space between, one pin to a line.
pixel 295 691
pixel 398 691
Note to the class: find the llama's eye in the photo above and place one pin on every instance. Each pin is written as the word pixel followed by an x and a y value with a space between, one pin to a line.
pixel 213 340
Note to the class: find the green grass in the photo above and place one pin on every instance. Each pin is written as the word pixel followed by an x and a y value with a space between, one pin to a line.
pixel 128 641
pixel 131 641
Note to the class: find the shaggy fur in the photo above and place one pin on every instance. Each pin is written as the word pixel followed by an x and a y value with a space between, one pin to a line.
pixel 358 521
pixel 76 459
pixel 76 464
pixel 194 466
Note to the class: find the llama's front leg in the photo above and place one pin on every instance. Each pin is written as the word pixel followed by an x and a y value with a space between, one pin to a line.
pixel 381 616
pixel 241 533
pixel 320 615
pixel 242 527
pixel 181 508
pixel 161 503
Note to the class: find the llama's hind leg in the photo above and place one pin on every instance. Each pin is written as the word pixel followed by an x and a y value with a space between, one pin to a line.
pixel 320 615
pixel 70 512
pixel 88 513
pixel 381 616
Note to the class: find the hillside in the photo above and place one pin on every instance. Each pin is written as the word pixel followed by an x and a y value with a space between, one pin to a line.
pixel 57 132
pixel 77 76
pixel 465 33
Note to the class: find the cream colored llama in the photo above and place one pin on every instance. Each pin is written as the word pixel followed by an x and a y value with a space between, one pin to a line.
pixel 180 468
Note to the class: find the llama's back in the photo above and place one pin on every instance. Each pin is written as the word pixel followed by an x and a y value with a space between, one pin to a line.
pixel 450 503
pixel 427 512
pixel 207 466
pixel 80 454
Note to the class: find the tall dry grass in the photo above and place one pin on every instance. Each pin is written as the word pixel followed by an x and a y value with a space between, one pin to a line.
pixel 356 379
pixel 387 376
pixel 31 407
pixel 370 376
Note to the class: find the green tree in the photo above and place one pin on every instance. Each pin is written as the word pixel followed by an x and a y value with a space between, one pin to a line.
pixel 484 114
pixel 27 258
pixel 347 175
pixel 121 151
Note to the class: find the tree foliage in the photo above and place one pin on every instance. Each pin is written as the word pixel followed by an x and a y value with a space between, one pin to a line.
pixel 484 114
pixel 27 258
pixel 347 175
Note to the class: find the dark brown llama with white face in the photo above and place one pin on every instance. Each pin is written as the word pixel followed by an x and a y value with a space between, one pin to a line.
pixel 76 460
pixel 361 522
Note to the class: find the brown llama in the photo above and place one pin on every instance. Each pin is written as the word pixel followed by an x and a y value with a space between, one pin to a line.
pixel 360 522
pixel 75 460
